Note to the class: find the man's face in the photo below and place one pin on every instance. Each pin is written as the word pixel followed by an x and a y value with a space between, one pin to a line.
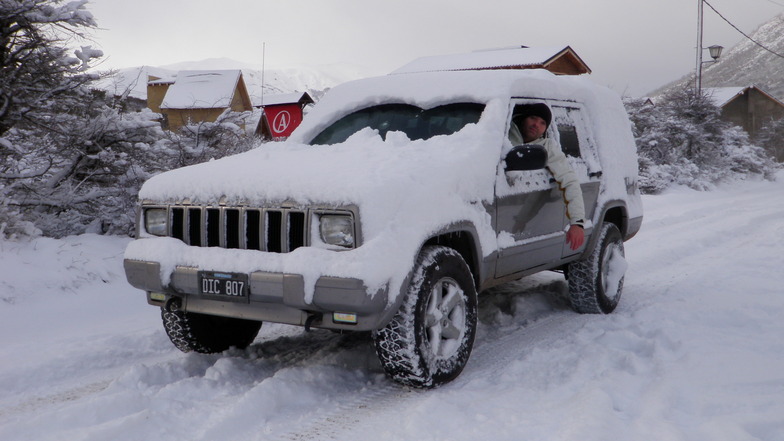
pixel 533 128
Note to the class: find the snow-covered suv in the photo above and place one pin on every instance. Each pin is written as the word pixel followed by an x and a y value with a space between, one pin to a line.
pixel 396 201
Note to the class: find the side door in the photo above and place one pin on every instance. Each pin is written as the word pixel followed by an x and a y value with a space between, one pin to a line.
pixel 529 211
pixel 573 132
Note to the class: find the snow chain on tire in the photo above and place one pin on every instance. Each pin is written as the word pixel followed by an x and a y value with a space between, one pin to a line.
pixel 596 282
pixel 207 334
pixel 430 338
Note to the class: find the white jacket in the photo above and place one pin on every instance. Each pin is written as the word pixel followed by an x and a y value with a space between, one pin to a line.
pixel 567 180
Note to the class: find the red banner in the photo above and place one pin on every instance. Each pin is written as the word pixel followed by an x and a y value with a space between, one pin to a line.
pixel 283 119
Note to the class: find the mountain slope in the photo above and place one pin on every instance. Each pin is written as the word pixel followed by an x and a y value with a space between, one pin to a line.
pixel 747 63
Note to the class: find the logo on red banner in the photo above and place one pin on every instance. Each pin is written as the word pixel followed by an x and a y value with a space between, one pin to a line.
pixel 283 119
pixel 281 122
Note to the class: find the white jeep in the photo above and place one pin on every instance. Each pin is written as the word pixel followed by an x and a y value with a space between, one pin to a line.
pixel 396 201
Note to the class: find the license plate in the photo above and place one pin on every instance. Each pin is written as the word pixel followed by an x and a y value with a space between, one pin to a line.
pixel 224 286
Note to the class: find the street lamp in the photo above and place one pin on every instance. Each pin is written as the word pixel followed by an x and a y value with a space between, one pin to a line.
pixel 715 50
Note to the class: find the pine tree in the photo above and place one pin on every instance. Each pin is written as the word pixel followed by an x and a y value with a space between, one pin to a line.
pixel 683 141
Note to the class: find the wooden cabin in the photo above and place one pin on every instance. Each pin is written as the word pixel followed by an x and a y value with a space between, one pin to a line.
pixel 558 60
pixel 197 96
pixel 156 90
pixel 748 107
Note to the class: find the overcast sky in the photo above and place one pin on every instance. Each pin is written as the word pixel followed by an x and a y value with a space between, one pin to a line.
pixel 633 46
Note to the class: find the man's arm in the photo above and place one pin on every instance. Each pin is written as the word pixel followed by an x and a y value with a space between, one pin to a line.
pixel 570 188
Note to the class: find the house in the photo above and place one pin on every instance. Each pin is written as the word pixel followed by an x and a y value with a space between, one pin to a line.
pixel 558 60
pixel 748 107
pixel 281 114
pixel 156 90
pixel 197 95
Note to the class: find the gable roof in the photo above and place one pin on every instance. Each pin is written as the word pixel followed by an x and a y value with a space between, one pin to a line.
pixel 202 89
pixel 721 96
pixel 300 98
pixel 522 57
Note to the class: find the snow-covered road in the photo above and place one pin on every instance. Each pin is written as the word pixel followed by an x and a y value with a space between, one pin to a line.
pixel 695 350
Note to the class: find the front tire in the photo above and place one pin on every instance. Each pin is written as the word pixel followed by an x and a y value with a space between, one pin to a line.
pixel 596 282
pixel 429 340
pixel 207 334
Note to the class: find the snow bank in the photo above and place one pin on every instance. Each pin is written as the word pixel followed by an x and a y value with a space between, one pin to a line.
pixel 693 352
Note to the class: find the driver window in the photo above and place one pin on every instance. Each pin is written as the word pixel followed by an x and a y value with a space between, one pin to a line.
pixel 515 135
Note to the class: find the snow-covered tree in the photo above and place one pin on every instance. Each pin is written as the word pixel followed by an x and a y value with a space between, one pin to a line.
pixel 67 159
pixel 203 141
pixel 771 137
pixel 84 174
pixel 35 65
pixel 36 74
pixel 682 141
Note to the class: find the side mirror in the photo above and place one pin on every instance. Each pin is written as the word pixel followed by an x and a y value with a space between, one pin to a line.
pixel 526 157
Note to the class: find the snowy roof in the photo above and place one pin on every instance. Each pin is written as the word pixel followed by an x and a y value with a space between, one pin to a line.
pixel 202 89
pixel 723 95
pixel 160 81
pixel 286 98
pixel 507 58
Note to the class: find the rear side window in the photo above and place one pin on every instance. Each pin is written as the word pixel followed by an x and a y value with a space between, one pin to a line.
pixel 415 122
pixel 569 141
pixel 567 120
pixel 575 135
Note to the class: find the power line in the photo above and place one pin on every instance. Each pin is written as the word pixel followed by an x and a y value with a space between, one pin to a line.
pixel 743 33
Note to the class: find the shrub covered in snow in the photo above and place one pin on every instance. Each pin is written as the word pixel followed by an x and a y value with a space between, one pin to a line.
pixel 71 159
pixel 771 137
pixel 203 141
pixel 682 141
pixel 85 175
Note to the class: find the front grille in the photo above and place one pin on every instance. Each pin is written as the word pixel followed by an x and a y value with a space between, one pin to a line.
pixel 277 230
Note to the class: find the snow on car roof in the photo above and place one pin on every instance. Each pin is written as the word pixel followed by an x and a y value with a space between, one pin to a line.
pixel 428 89
pixel 201 89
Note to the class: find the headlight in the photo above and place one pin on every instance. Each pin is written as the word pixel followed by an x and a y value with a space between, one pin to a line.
pixel 156 220
pixel 337 229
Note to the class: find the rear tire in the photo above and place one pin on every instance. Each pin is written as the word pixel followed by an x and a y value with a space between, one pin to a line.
pixel 596 282
pixel 208 334
pixel 429 340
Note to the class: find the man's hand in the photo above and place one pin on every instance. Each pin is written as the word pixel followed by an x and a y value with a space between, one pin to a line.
pixel 575 237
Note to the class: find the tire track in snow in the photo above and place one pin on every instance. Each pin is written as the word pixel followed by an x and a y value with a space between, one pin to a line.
pixel 38 402
pixel 493 351
pixel 700 233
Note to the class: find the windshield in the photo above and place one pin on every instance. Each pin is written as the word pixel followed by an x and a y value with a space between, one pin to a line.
pixel 415 122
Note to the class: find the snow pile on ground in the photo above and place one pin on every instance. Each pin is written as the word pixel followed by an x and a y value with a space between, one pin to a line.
pixel 694 351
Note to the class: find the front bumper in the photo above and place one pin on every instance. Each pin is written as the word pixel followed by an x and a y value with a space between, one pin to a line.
pixel 273 297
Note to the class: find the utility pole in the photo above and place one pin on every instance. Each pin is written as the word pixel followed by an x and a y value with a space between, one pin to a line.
pixel 263 60
pixel 698 85
pixel 715 50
